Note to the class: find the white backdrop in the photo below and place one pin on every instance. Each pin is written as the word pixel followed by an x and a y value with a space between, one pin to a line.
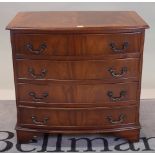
pixel 9 10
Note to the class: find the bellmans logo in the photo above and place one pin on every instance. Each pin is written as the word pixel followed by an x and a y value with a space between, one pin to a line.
pixel 72 145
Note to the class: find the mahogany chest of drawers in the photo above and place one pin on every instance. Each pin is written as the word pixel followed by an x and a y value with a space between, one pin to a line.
pixel 77 72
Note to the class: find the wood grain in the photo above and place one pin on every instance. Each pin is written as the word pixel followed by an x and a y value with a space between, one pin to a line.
pixel 74 20
pixel 80 117
pixel 80 93
pixel 115 70
pixel 77 44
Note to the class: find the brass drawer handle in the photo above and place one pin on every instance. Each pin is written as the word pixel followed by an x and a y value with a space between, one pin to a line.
pixel 120 120
pixel 38 51
pixel 37 99
pixel 44 122
pixel 119 98
pixel 37 76
pixel 116 74
pixel 117 50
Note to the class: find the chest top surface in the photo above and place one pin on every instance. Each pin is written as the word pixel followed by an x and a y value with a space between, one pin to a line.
pixel 77 20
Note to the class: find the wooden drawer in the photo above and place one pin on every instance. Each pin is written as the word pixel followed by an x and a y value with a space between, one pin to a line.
pixel 77 45
pixel 105 70
pixel 77 118
pixel 95 93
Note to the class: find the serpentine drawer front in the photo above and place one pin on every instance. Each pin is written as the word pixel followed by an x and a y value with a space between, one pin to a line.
pixel 78 93
pixel 77 45
pixel 77 118
pixel 77 76
pixel 118 69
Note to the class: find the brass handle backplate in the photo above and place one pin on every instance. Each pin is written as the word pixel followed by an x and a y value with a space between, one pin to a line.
pixel 119 98
pixel 38 51
pixel 44 122
pixel 118 74
pixel 119 50
pixel 32 73
pixel 36 98
pixel 120 120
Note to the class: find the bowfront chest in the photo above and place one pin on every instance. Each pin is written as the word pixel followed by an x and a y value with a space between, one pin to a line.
pixel 77 72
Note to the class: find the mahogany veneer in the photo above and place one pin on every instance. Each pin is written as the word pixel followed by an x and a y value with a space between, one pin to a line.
pixel 77 72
